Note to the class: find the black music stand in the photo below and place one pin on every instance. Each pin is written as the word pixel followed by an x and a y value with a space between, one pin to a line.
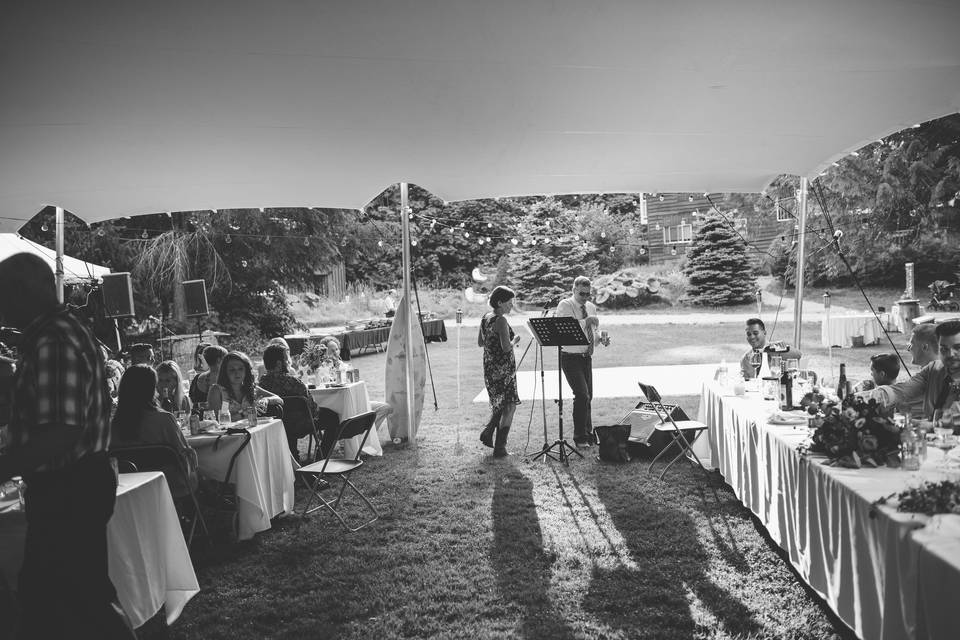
pixel 558 332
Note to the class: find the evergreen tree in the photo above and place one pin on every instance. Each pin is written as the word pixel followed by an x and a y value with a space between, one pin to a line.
pixel 549 255
pixel 718 267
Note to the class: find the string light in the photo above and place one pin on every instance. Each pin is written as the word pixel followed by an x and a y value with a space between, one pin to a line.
pixel 643 250
pixel 514 241
pixel 266 241
pixel 661 197
pixel 673 251
pixel 44 227
pixel 603 234
pixel 101 232
pixel 144 235
pixel 690 198
pixel 380 243
pixel 228 239
pixel 243 263
pixel 413 242
pixel 306 242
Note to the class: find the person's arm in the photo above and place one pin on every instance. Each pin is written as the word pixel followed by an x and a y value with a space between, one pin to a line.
pixel 900 392
pixel 502 327
pixel 480 332
pixel 261 394
pixel 214 398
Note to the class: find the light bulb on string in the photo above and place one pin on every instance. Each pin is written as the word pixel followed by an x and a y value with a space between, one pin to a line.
pixel 413 242
pixel 673 251
pixel 661 197
pixel 514 241
pixel 603 234
pixel 480 241
pixel 380 243
pixel 44 227
pixel 144 235
pixel 632 231
pixel 466 234
pixel 690 198
pixel 643 250
pixel 306 242
pixel 612 249
pixel 243 263
pixel 228 239
pixel 267 241
pixel 101 232
pixel 489 225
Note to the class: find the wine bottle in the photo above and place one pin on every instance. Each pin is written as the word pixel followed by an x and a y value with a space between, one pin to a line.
pixel 842 382
pixel 786 390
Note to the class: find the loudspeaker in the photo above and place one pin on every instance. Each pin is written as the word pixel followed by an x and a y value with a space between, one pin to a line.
pixel 643 423
pixel 195 293
pixel 117 295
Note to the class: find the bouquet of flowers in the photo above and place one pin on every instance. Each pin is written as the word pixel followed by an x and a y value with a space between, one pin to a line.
pixel 854 433
pixel 312 356
pixel 930 498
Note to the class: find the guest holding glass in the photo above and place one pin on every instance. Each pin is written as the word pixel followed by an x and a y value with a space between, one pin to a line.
pixel 170 388
pixel 499 369
pixel 140 420
pixel 236 387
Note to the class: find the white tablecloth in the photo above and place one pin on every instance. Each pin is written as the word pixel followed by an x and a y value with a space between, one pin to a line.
pixel 840 330
pixel 864 567
pixel 149 564
pixel 263 473
pixel 348 401
pixel 149 561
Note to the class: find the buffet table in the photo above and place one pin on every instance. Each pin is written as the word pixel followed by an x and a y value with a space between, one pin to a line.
pixel 147 557
pixel 839 331
pixel 263 472
pixel 864 566
pixel 353 340
pixel 348 401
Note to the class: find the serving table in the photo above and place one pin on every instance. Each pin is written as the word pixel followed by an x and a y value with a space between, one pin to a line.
pixel 840 330
pixel 352 341
pixel 863 561
pixel 147 557
pixel 263 472
pixel 347 401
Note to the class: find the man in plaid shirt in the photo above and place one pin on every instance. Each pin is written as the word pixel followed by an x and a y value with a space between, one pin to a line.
pixel 59 433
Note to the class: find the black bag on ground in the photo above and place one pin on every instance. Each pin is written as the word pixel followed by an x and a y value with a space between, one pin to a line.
pixel 612 442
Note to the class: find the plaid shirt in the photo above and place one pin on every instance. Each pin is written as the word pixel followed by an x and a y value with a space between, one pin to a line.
pixel 61 382
pixel 286 385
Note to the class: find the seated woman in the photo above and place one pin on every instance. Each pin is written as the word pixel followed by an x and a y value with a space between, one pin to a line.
pixel 280 381
pixel 170 388
pixel 331 351
pixel 236 387
pixel 200 385
pixel 138 420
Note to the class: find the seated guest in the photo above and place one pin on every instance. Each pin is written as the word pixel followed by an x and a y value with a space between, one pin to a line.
pixel 201 383
pixel 935 389
pixel 331 348
pixel 884 369
pixel 114 372
pixel 138 420
pixel 279 380
pixel 236 387
pixel 757 339
pixel 141 353
pixel 923 344
pixel 262 368
pixel 170 388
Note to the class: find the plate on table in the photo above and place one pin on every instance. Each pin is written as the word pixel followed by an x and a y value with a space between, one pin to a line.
pixel 336 385
pixel 785 418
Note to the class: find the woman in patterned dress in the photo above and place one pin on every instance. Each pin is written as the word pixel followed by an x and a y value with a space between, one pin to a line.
pixel 499 369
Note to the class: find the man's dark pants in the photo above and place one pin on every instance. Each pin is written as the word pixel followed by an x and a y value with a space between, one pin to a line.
pixel 578 370
pixel 64 590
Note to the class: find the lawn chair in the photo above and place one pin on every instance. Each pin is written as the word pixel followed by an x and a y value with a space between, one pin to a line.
pixel 682 433
pixel 163 457
pixel 325 473
pixel 299 422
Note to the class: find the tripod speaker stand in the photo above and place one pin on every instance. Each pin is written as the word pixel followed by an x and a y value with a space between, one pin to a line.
pixel 558 332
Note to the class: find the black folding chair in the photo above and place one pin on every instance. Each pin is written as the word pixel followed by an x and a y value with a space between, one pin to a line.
pixel 165 458
pixel 682 433
pixel 324 473
pixel 299 422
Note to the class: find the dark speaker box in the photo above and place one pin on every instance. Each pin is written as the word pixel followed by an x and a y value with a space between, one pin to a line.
pixel 195 293
pixel 117 295
pixel 643 422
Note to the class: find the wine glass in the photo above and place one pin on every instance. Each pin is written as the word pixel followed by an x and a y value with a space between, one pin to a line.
pixel 945 441
pixel 775 366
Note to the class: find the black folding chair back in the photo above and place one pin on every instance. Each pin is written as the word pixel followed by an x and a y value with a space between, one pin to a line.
pixel 299 421
pixel 165 458
pixel 327 471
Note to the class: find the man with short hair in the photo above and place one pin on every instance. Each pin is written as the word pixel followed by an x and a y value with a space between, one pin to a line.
pixel 923 344
pixel 884 369
pixel 935 389
pixel 757 339
pixel 577 361
pixel 59 433
pixel 141 353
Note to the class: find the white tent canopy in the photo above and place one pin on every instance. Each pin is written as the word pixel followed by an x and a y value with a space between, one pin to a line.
pixel 113 108
pixel 74 270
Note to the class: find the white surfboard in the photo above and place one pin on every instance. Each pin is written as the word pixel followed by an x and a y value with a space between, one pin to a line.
pixel 395 373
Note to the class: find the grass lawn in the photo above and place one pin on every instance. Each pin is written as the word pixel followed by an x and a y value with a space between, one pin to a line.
pixel 472 547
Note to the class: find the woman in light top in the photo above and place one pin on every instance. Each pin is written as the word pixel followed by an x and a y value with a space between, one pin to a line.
pixel 170 388
pixel 236 387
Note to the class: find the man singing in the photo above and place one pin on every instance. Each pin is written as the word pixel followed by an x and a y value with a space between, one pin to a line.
pixel 577 361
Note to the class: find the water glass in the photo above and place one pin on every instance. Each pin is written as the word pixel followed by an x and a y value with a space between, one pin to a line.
pixel 775 365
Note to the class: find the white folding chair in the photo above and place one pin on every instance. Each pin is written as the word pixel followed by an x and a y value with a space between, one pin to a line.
pixel 683 433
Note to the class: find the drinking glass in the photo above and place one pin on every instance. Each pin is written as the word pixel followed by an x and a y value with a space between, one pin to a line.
pixel 945 442
pixel 775 366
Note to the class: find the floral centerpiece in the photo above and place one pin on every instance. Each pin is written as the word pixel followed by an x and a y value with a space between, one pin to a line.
pixel 853 433
pixel 312 356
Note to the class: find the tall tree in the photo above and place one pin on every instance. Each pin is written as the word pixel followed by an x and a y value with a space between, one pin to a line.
pixel 718 268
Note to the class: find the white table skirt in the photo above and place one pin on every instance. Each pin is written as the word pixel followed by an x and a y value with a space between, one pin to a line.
pixel 263 473
pixel 864 567
pixel 348 401
pixel 840 330
pixel 147 557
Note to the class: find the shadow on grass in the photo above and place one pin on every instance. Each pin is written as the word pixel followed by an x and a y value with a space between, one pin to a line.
pixel 653 599
pixel 522 567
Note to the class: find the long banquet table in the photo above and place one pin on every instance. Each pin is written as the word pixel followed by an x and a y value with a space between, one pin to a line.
pixel 148 561
pixel 263 472
pixel 867 564
pixel 840 329
pixel 352 340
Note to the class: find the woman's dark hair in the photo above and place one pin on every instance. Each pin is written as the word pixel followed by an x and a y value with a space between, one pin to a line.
pixel 136 395
pixel 198 352
pixel 273 355
pixel 501 294
pixel 246 387
pixel 214 354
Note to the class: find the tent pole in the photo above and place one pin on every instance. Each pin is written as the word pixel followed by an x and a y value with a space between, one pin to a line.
pixel 59 244
pixel 801 245
pixel 408 330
